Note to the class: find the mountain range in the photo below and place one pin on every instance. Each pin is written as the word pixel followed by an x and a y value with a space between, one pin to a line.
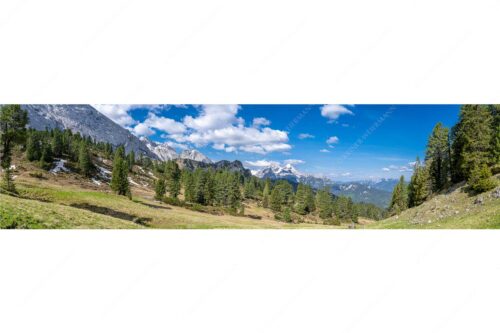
pixel 376 192
pixel 87 121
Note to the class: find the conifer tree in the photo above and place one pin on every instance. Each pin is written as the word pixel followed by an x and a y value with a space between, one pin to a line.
pixel 189 187
pixel 57 143
pixel 418 189
pixel 399 200
pixel 234 193
pixel 266 193
pixel 131 160
pixel 472 140
pixel 173 178
pixel 119 176
pixel 13 121
pixel 33 147
pixel 480 179
pixel 160 189
pixel 495 140
pixel 437 158
pixel 46 158
pixel 324 204
pixel 84 160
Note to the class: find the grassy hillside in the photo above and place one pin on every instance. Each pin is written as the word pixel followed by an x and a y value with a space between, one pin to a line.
pixel 455 209
pixel 66 200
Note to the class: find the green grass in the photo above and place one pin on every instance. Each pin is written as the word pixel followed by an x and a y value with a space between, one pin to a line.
pixel 49 205
pixel 453 210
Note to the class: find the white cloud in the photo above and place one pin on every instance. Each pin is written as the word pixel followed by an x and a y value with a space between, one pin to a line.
pixel 262 163
pixel 294 161
pixel 142 130
pixel 117 112
pixel 261 121
pixel 386 169
pixel 346 174
pixel 324 151
pixel 233 138
pixel 303 136
pixel 332 140
pixel 214 117
pixel 334 111
pixel 164 124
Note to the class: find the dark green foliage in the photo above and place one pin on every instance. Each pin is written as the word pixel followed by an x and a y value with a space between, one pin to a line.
pixel 370 211
pixel 189 187
pixel 160 189
pixel 418 189
pixel 47 157
pixel 85 164
pixel 173 178
pixel 480 179
pixel 119 176
pixel 13 123
pixel 304 200
pixel 287 215
pixel 281 196
pixel 131 160
pixel 33 146
pixel 266 193
pixel 437 158
pixel 472 140
pixel 399 201
pixel 57 143
pixel 324 203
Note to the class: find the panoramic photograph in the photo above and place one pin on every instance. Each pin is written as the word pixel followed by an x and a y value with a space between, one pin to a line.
pixel 250 166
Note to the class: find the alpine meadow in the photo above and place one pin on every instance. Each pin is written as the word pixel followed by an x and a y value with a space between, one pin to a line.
pixel 250 166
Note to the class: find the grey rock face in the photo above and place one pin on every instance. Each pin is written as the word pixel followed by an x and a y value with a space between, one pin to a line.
pixel 85 120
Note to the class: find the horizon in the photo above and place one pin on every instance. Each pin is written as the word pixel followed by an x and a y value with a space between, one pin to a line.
pixel 333 141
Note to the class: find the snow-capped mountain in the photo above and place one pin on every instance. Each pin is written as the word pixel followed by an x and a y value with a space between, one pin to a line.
pixel 276 171
pixel 85 120
pixel 192 154
pixel 163 151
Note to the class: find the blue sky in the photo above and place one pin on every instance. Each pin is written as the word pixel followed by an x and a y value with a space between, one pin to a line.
pixel 343 142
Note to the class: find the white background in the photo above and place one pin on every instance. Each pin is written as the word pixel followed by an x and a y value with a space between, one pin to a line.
pixel 249 52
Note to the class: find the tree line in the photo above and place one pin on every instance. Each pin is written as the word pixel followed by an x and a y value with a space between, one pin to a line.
pixel 469 151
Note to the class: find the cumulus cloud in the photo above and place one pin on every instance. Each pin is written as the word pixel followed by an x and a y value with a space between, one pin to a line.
pixel 386 169
pixel 214 117
pixel 164 124
pixel 334 111
pixel 332 140
pixel 142 130
pixel 119 113
pixel 294 161
pixel 346 174
pixel 261 121
pixel 303 136
pixel 324 151
pixel 262 163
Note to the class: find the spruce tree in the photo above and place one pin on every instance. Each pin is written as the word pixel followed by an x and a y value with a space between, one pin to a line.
pixel 324 204
pixel 85 160
pixel 472 140
pixel 418 190
pixel 189 187
pixel 13 121
pixel 46 158
pixel 160 189
pixel 480 179
pixel 437 158
pixel 119 176
pixel 266 193
pixel 399 200
pixel 33 146
pixel 131 160
pixel 57 143
pixel 173 178
pixel 234 198
pixel 495 140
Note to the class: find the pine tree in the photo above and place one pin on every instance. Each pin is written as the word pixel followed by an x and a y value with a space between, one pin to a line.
pixel 418 189
pixel 287 215
pixel 304 200
pixel 119 176
pixel 399 200
pixel 160 189
pixel 13 121
pixel 173 178
pixel 33 147
pixel 46 158
pixel 495 140
pixel 57 143
pixel 437 158
pixel 480 179
pixel 234 198
pixel 84 160
pixel 472 140
pixel 131 160
pixel 189 187
pixel 266 193
pixel 324 204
